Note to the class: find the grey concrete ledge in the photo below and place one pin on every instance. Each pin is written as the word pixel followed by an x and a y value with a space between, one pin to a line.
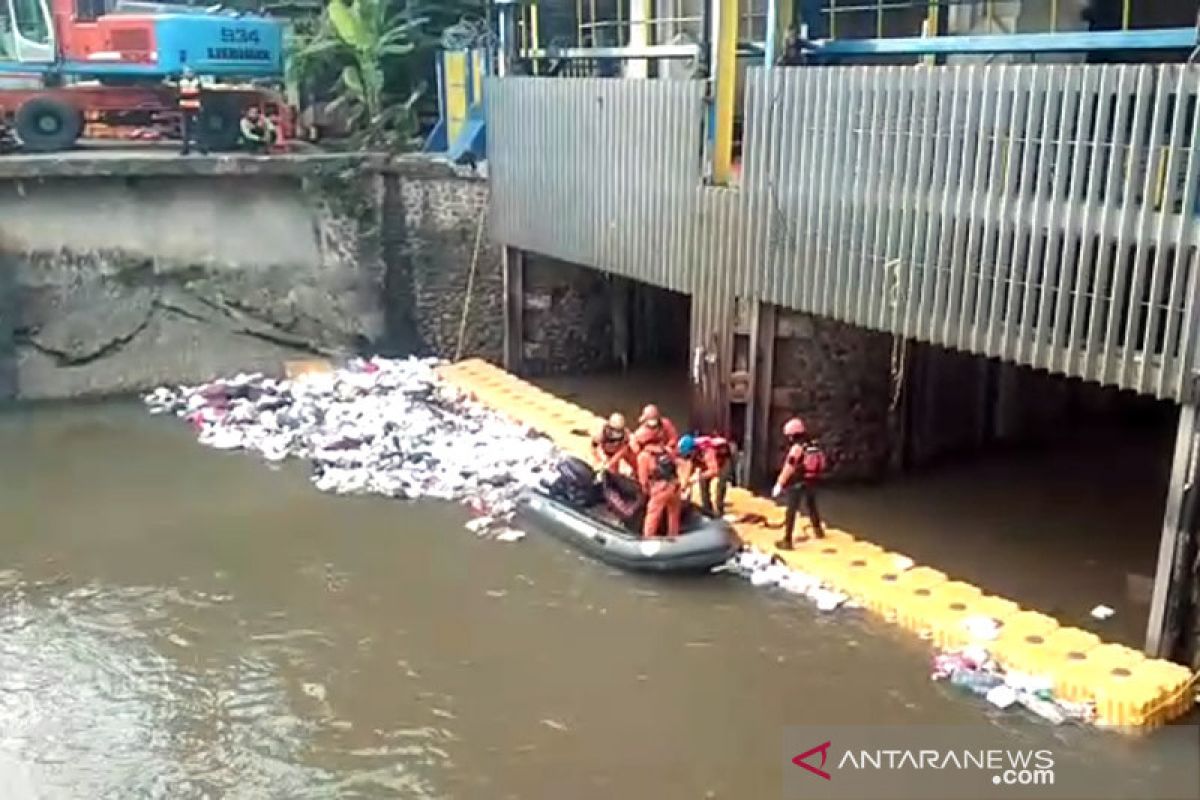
pixel 124 162
pixel 419 166
pixel 103 163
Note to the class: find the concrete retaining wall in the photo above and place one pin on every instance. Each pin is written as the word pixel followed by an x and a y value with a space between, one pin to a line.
pixel 127 272
pixel 167 270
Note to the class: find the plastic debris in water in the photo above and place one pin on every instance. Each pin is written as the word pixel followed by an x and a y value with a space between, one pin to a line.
pixel 379 426
pixel 1083 712
pixel 510 535
pixel 1102 612
pixel 945 665
pixel 769 575
pixel 478 525
pixel 1002 696
pixel 1042 707
pixel 981 628
pixel 799 583
pixel 976 656
pixel 827 599
pixel 978 682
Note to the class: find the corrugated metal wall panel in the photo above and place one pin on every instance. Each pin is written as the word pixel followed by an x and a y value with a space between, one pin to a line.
pixel 1043 214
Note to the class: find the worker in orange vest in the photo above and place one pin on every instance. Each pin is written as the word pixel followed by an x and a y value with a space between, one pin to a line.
pixel 610 446
pixel 706 461
pixel 659 479
pixel 802 468
pixel 654 428
pixel 191 105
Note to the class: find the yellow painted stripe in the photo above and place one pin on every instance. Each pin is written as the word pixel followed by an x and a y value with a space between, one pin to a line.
pixel 533 32
pixel 725 91
pixel 477 66
pixel 456 92
pixel 1131 692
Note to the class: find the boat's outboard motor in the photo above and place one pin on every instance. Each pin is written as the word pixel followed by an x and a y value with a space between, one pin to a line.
pixel 575 483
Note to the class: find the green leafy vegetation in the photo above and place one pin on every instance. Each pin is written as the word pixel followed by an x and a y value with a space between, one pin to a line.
pixel 373 60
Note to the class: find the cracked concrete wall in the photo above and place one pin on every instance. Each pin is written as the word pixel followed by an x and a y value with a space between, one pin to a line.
pixel 116 284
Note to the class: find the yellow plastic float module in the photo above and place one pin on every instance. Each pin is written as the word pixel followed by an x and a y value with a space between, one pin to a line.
pixel 862 572
pixel 950 630
pixel 939 608
pixel 1130 691
pixel 842 563
pixel 1021 643
pixel 913 587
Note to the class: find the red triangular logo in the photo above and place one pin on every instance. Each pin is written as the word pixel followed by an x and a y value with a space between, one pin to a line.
pixel 823 749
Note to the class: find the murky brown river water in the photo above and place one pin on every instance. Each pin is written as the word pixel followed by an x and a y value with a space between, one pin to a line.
pixel 177 622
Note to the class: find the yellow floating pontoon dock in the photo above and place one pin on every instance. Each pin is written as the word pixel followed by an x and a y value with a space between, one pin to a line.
pixel 1130 691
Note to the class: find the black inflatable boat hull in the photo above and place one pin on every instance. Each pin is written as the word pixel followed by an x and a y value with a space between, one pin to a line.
pixel 703 545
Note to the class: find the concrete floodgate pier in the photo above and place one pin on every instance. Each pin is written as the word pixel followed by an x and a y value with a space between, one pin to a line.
pixel 1130 692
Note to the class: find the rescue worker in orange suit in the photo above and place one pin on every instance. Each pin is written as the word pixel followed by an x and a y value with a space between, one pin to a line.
pixel 802 468
pixel 610 447
pixel 659 479
pixel 654 428
pixel 190 108
pixel 705 461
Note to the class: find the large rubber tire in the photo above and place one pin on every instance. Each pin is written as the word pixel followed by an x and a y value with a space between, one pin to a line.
pixel 219 123
pixel 46 124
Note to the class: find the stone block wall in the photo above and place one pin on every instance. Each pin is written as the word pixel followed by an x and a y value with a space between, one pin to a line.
pixel 443 266
pixel 568 318
pixel 837 378
pixel 441 263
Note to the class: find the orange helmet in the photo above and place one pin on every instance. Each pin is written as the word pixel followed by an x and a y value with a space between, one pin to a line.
pixel 794 427
pixel 649 412
pixel 617 422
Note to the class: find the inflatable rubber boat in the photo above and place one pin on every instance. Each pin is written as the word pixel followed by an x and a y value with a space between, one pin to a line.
pixel 576 509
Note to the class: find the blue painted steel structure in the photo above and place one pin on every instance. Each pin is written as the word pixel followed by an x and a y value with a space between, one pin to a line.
pixel 1064 42
pixel 459 139
pixel 195 39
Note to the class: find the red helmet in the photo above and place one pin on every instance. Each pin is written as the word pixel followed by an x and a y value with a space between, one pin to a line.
pixel 649 412
pixel 794 427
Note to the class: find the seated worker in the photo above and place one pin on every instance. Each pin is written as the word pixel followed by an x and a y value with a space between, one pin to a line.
pixel 257 132
pixel 654 428
pixel 659 478
pixel 703 461
pixel 610 447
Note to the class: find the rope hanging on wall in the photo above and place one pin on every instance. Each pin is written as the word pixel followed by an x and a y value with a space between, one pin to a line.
pixel 466 311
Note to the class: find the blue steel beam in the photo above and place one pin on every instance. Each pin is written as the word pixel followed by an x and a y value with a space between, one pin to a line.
pixel 1064 42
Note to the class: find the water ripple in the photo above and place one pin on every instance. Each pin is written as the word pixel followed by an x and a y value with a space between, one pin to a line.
pixel 100 698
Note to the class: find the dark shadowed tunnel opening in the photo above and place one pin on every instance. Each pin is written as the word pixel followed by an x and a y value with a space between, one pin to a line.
pixel 604 341
pixel 1047 490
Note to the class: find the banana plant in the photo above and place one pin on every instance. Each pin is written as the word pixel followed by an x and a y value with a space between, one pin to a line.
pixel 363 36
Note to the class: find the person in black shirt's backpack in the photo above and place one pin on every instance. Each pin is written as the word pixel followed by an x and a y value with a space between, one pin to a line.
pixel 802 468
